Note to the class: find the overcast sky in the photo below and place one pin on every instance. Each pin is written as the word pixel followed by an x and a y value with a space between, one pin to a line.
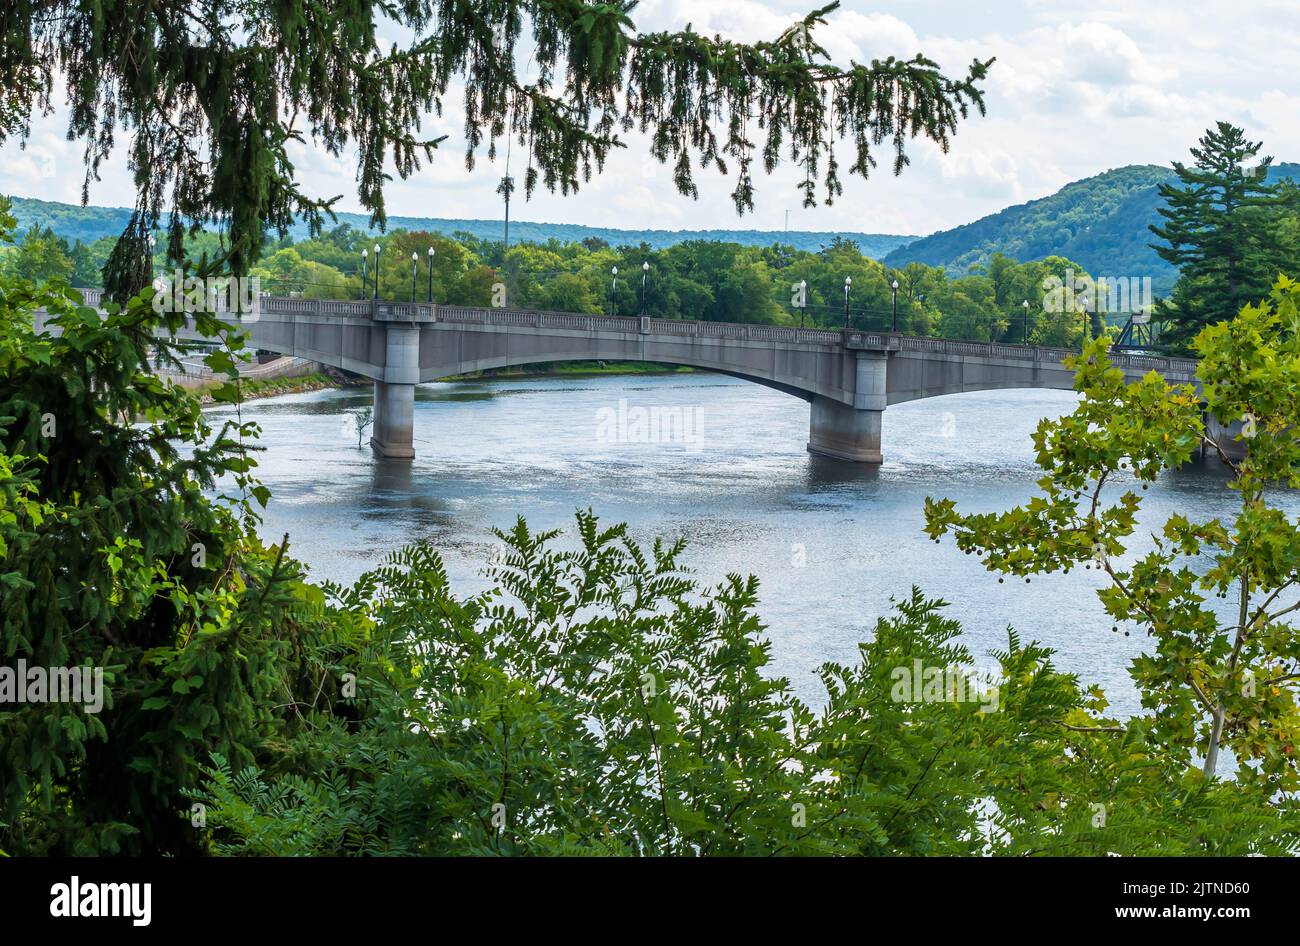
pixel 1078 88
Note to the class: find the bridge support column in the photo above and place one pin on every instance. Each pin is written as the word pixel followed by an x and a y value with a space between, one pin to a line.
pixel 395 396
pixel 852 432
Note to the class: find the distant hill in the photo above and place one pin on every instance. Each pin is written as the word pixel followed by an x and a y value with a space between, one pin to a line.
pixel 70 221
pixel 875 245
pixel 1099 222
pixel 90 223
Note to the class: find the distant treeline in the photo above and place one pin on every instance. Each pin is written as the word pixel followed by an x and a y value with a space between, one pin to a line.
pixel 1101 222
pixel 697 279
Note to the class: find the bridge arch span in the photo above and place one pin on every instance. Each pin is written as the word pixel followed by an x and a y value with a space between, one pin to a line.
pixel 849 377
pixel 487 364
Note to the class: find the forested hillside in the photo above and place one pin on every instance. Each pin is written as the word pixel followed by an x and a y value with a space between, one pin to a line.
pixel 88 224
pixel 69 221
pixel 1100 221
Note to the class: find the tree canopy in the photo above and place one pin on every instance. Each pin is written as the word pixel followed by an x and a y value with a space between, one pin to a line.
pixel 214 92
pixel 1216 677
pixel 1224 228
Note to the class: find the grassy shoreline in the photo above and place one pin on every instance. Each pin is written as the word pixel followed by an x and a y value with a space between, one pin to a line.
pixel 255 388
pixel 571 369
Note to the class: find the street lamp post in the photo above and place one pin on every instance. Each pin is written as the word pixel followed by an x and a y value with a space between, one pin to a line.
pixel 415 268
pixel 894 287
pixel 613 290
pixel 365 277
pixel 430 299
pixel 803 300
pixel 848 283
pixel 645 272
pixel 378 249
pixel 150 243
pixel 1024 325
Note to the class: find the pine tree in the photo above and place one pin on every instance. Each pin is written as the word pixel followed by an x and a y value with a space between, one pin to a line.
pixel 216 93
pixel 1221 232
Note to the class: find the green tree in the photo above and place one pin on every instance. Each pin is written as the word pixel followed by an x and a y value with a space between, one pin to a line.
pixel 744 294
pixel 966 308
pixel 597 700
pixel 1222 231
pixel 40 256
pixel 567 292
pixel 208 99
pixel 1218 677
pixel 473 287
pixel 112 557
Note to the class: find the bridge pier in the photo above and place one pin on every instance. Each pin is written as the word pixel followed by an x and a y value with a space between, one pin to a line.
pixel 394 420
pixel 394 430
pixel 852 432
pixel 837 430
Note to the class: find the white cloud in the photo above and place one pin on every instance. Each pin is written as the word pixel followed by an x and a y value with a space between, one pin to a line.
pixel 1079 87
pixel 863 37
pixel 1105 56
pixel 990 172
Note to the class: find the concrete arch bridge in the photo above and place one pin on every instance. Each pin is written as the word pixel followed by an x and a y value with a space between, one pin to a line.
pixel 848 377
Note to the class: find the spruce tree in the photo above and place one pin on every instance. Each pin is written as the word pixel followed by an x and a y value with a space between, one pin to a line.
pixel 1221 232
pixel 215 93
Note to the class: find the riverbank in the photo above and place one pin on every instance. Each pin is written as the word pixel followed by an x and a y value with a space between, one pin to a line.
pixel 255 388
pixel 573 369
pixel 329 378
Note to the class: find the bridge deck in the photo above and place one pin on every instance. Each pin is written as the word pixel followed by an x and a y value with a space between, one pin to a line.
pixel 368 312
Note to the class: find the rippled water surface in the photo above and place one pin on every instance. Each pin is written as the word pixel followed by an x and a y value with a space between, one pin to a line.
pixel 740 486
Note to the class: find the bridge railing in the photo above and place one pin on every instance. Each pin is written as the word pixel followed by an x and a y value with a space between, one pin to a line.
pixel 280 305
pixel 536 318
pixel 790 335
pixel 633 325
pixel 1180 367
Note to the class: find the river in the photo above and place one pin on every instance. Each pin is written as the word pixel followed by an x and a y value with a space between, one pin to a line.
pixel 830 542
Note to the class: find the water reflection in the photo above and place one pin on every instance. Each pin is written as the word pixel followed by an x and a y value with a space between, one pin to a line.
pixel 831 542
pixel 823 472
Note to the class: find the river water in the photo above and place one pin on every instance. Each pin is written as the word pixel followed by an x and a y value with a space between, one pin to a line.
pixel 723 463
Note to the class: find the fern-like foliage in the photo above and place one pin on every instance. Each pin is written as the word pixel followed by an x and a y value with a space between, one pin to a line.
pixel 598 700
